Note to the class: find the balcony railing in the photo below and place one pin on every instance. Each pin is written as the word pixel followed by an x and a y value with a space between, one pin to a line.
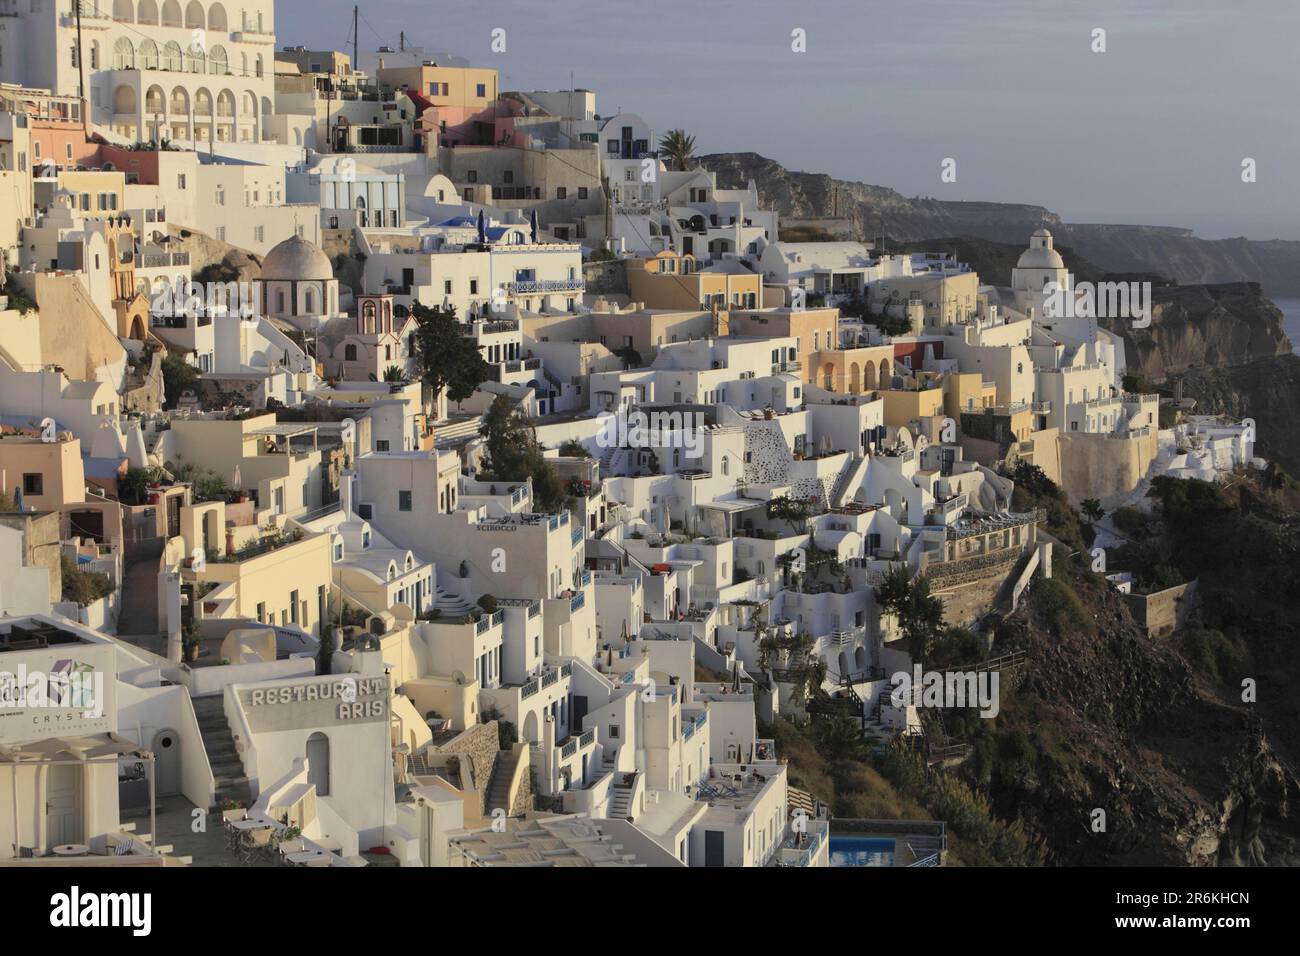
pixel 536 286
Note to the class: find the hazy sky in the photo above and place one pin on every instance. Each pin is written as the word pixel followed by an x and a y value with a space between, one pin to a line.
pixel 1154 130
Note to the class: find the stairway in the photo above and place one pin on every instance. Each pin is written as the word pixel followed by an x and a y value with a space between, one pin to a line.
pixel 227 770
pixel 503 770
pixel 620 801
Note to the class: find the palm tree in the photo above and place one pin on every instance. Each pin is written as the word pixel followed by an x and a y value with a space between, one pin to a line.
pixel 393 374
pixel 679 147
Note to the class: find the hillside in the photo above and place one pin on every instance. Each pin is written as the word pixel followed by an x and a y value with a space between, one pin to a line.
pixel 1174 252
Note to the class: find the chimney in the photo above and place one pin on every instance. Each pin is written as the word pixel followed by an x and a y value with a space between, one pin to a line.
pixel 345 494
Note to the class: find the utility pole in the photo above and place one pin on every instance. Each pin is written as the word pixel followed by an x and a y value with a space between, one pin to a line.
pixel 81 70
pixel 356 39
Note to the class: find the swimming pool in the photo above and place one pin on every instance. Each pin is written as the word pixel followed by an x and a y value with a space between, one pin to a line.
pixel 861 851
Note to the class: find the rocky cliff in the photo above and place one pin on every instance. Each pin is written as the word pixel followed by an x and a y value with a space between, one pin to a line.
pixel 877 210
pixel 1204 325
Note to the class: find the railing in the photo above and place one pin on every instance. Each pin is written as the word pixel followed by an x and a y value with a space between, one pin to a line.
pixel 536 286
pixel 487 621
pixel 578 601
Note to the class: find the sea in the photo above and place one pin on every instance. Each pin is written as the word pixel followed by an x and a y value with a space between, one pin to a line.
pixel 1291 321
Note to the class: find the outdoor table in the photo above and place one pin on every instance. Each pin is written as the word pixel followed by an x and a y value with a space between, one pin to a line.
pixel 72 849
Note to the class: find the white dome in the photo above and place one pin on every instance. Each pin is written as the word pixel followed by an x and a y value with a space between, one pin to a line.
pixel 1040 254
pixel 296 260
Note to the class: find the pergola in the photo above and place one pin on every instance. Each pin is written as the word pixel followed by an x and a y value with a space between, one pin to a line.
pixel 79 751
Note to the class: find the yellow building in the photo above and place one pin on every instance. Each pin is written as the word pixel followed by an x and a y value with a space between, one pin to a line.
pixel 458 87
pixel 967 392
pixel 853 371
pixel 812 329
pixel 49 474
pixel 905 406
pixel 671 281
pixel 256 573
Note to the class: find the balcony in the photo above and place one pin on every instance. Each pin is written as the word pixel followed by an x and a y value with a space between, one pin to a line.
pixel 543 286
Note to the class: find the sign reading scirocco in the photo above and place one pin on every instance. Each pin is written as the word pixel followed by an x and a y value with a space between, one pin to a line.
pixel 316 703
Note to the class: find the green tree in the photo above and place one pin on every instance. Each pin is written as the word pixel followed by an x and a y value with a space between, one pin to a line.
pixel 513 454
pixel 393 374
pixel 1092 509
pixel 920 614
pixel 448 359
pixel 179 377
pixel 793 511
pixel 679 146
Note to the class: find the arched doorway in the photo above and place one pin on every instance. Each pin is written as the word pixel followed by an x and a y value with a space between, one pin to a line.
pixel 167 762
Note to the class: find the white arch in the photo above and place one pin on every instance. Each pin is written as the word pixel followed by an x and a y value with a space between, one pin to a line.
pixel 123 11
pixel 146 55
pixel 171 14
pixel 217 18
pixel 194 18
pixel 147 12
pixel 123 54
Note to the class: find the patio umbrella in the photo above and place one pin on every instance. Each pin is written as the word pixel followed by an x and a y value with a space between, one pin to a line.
pixel 237 480
pixel 533 223
pixel 482 228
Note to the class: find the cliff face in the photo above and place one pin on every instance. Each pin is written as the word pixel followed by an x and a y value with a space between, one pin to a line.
pixel 1184 776
pixel 1204 325
pixel 1173 252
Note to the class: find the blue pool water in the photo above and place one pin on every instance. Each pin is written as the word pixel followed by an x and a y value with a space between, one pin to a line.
pixel 861 851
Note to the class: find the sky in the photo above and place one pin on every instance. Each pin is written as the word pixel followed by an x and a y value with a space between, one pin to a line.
pixel 1154 130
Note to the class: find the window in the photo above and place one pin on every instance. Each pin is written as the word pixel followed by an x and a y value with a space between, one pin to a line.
pixel 613 731
pixel 34 483
pixel 582 192
pixel 261 612
pixel 473 286
pixel 561 192
pixel 446 287
pixel 221 233
pixel 381 444
pixel 480 90
pixel 180 180
pixel 403 501
pixel 471 176
pixel 259 233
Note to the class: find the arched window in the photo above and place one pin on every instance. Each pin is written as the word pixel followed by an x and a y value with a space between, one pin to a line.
pixel 318 763
pixel 217 18
pixel 147 12
pixel 171 14
pixel 123 54
pixel 309 301
pixel 218 61
pixel 194 19
pixel 122 11
pixel 147 55
pixel 349 353
pixel 171 57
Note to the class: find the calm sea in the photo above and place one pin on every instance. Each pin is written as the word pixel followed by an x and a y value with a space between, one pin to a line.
pixel 1291 321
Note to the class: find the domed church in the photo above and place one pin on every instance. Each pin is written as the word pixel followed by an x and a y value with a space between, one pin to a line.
pixel 298 284
pixel 1038 265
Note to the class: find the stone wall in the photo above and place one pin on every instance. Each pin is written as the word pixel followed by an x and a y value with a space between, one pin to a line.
pixel 1163 611
pixel 478 745
pixel 606 278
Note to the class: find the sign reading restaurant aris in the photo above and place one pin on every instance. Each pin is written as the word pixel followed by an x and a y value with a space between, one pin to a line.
pixel 316 702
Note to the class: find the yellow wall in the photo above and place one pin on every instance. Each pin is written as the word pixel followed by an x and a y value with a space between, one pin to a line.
pixel 902 407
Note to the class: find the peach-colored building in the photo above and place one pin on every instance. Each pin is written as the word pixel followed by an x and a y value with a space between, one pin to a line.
pixel 671 281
